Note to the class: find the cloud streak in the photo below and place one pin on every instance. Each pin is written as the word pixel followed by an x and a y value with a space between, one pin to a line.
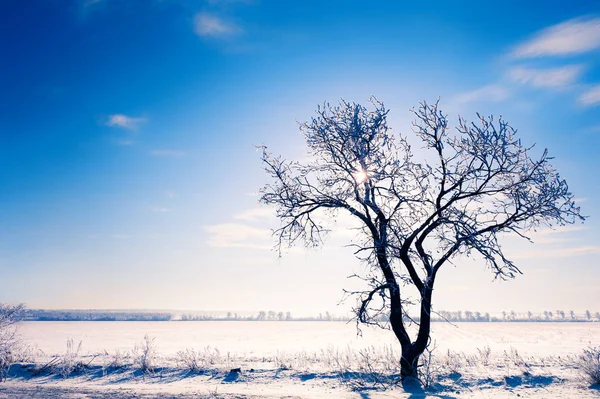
pixel 572 37
pixel 590 97
pixel 560 230
pixel 237 235
pixel 124 121
pixel 559 253
pixel 493 93
pixel 256 214
pixel 207 25
pixel 549 77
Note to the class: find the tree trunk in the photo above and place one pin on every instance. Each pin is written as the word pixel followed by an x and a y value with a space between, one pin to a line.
pixel 412 351
pixel 409 362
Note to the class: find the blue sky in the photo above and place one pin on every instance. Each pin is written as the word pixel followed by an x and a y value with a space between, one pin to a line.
pixel 127 132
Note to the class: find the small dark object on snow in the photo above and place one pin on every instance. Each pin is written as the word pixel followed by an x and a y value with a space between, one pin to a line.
pixel 233 375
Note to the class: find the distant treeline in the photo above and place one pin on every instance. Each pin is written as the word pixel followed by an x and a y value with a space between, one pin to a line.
pixel 456 316
pixel 263 316
pixel 92 315
pixel 512 316
pixel 452 316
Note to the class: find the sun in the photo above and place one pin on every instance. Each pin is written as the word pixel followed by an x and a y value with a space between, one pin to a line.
pixel 360 176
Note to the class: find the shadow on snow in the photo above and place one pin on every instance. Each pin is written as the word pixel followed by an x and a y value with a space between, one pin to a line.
pixel 362 383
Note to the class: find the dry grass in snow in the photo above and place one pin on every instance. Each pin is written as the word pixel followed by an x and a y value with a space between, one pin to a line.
pixel 370 372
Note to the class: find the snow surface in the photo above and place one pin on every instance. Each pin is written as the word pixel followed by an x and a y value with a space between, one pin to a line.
pixel 305 360
pixel 252 338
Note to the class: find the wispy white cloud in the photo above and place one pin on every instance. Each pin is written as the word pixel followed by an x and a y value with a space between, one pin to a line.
pixel 552 239
pixel 575 36
pixel 549 77
pixel 559 253
pixel 255 214
pixel 554 235
pixel 590 97
pixel 237 235
pixel 211 25
pixel 561 229
pixel 168 153
pixel 124 121
pixel 493 93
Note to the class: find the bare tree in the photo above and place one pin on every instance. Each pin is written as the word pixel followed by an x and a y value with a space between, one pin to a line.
pixel 414 216
pixel 9 315
pixel 9 340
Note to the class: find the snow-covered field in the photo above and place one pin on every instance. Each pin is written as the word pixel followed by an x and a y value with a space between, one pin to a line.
pixel 297 360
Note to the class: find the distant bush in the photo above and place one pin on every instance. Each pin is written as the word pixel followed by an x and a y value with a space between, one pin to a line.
pixel 369 365
pixel 484 355
pixel 70 361
pixel 6 360
pixel 145 355
pixel 589 365
pixel 114 361
pixel 453 362
pixel 190 360
pixel 198 361
pixel 9 338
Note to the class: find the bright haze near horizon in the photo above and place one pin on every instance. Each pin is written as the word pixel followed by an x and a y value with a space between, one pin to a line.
pixel 128 168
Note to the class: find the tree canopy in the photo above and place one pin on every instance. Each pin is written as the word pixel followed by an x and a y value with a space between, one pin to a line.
pixel 479 181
